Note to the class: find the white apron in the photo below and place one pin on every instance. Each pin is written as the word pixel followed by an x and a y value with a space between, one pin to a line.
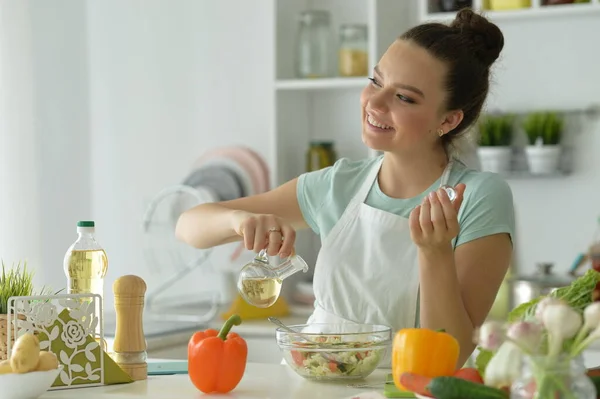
pixel 367 269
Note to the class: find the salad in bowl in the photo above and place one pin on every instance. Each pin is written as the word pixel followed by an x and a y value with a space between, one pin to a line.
pixel 334 351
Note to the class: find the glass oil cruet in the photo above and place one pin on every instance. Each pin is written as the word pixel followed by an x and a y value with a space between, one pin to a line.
pixel 259 282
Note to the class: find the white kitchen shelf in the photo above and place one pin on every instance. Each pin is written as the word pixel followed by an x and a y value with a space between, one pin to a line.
pixel 322 84
pixel 535 11
pixel 326 108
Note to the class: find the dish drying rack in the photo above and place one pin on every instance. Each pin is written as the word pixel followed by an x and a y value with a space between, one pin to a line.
pixel 165 253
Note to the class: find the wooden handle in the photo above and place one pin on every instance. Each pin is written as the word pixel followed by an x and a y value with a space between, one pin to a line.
pixel 129 292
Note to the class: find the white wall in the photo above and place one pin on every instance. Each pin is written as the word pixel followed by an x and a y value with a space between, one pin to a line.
pixel 553 64
pixel 169 81
pixel 19 194
pixel 60 73
pixel 45 134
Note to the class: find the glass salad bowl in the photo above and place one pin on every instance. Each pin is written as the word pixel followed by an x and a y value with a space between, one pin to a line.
pixel 329 352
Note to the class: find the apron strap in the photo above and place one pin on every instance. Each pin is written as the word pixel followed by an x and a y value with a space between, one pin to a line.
pixel 446 174
pixel 363 192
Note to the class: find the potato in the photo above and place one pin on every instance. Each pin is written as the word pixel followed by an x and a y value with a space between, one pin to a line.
pixel 26 354
pixel 48 361
pixel 5 367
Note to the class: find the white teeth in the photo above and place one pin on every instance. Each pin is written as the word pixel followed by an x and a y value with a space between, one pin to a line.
pixel 375 123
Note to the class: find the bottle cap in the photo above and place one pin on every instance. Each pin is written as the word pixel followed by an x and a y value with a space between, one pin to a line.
pixel 85 223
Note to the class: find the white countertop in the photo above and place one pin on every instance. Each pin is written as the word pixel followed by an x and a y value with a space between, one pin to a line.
pixel 260 381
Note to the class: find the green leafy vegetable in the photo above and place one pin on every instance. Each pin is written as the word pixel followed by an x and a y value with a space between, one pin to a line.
pixel 482 360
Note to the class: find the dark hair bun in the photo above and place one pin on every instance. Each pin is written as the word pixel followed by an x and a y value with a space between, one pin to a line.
pixel 485 37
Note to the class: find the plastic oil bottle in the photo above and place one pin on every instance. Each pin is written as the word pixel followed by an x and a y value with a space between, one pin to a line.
pixel 86 263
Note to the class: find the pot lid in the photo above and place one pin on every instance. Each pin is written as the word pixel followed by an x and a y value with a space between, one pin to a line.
pixel 545 277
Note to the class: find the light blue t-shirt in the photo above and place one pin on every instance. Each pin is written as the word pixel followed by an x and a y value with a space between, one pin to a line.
pixel 487 206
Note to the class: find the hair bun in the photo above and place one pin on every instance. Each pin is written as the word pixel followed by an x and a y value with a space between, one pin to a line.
pixel 485 38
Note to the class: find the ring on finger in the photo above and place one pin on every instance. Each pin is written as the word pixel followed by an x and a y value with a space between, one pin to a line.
pixel 274 230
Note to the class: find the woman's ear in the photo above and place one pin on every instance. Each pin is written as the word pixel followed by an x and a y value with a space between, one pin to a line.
pixel 451 120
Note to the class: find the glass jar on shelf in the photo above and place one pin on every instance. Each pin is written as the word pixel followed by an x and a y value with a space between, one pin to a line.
pixel 320 154
pixel 314 44
pixel 454 5
pixel 353 55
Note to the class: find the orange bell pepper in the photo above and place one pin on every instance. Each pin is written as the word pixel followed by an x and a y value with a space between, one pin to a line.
pixel 217 360
pixel 423 352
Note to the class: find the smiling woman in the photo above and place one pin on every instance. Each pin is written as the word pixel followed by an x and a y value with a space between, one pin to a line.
pixel 395 250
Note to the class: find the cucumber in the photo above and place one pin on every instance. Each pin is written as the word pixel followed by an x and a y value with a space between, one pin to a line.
pixel 457 388
pixel 596 380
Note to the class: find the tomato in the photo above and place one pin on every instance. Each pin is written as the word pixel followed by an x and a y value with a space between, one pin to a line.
pixel 415 383
pixel 298 358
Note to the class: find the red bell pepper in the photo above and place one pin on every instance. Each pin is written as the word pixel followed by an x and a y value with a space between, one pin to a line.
pixel 217 360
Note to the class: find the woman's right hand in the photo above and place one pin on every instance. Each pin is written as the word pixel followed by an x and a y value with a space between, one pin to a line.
pixel 264 231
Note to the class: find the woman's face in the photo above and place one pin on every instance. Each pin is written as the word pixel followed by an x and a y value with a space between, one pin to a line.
pixel 403 108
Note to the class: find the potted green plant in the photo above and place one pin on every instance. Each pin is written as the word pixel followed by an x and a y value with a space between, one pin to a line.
pixel 544 132
pixel 16 281
pixel 495 138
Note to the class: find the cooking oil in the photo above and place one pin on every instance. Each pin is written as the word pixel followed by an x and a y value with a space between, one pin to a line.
pixel 85 266
pixel 261 292
pixel 259 282
pixel 86 269
pixel 85 262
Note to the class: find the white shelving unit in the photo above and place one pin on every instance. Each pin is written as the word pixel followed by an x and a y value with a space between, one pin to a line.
pixel 326 108
pixel 320 84
pixel 429 11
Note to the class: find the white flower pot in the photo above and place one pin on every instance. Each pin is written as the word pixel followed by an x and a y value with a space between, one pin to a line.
pixel 543 159
pixel 495 159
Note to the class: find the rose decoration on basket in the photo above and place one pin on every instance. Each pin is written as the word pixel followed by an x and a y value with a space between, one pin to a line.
pixel 44 314
pixel 73 334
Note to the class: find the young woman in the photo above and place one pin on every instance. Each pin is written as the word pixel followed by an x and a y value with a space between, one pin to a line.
pixel 395 249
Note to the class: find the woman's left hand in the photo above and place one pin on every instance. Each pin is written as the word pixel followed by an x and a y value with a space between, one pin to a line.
pixel 434 223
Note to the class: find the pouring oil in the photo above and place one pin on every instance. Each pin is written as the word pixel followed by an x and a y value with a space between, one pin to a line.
pixel 85 265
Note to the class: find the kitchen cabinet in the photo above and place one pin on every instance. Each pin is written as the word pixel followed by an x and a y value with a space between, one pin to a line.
pixel 508 10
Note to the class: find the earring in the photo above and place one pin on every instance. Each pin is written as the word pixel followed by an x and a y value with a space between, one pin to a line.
pixel 440 132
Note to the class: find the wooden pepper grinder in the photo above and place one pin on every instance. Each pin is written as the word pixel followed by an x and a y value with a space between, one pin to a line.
pixel 130 344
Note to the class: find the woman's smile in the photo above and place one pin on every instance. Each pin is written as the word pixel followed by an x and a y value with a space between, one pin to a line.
pixel 376 126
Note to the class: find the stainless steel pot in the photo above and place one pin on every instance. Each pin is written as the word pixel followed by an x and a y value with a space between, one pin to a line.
pixel 542 282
